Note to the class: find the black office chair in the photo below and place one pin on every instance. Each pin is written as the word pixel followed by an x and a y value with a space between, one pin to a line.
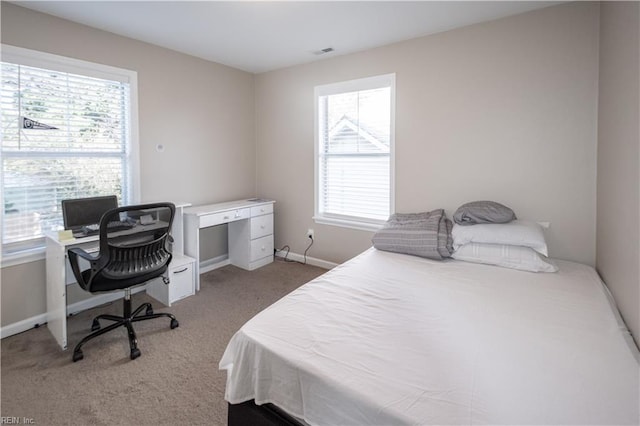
pixel 128 258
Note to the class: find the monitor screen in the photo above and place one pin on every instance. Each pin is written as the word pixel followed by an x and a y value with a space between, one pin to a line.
pixel 81 212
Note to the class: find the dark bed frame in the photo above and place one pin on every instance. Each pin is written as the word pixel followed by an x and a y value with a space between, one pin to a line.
pixel 250 414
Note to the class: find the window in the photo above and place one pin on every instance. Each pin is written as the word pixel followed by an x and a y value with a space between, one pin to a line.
pixel 354 152
pixel 68 131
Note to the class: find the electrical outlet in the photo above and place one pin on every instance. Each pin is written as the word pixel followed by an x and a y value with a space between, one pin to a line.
pixel 310 234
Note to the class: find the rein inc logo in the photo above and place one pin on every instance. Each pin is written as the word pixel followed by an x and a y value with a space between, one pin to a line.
pixel 8 420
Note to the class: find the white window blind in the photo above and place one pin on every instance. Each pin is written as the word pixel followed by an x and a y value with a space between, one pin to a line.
pixel 64 135
pixel 354 152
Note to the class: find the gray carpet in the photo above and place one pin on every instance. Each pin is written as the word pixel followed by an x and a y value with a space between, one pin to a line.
pixel 176 379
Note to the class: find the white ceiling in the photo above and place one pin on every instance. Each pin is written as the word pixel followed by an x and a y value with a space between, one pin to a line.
pixel 258 36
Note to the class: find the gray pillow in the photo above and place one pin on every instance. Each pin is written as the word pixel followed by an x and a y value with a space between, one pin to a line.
pixel 477 212
pixel 426 234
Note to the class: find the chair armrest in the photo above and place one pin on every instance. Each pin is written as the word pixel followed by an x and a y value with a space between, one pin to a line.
pixel 74 253
pixel 83 254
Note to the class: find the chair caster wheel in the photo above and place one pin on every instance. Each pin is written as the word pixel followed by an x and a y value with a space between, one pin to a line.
pixel 135 353
pixel 174 323
pixel 149 311
pixel 77 355
pixel 95 325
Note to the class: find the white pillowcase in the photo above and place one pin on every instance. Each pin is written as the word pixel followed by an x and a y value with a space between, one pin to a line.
pixel 508 256
pixel 515 233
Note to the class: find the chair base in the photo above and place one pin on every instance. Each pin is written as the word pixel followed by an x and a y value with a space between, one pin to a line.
pixel 127 321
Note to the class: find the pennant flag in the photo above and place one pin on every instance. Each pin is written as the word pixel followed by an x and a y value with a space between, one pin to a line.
pixel 28 123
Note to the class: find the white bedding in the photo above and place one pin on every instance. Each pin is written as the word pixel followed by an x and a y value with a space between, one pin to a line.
pixel 391 339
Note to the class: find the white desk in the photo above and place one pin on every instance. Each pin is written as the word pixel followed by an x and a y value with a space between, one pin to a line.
pixel 59 275
pixel 250 227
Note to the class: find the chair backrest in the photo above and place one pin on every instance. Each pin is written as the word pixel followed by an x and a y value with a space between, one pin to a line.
pixel 135 246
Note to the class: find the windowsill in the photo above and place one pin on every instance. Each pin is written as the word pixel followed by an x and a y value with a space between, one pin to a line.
pixel 346 223
pixel 22 257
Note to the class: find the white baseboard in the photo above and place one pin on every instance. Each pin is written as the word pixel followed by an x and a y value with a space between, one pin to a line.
pixel 24 325
pixel 214 263
pixel 220 261
pixel 310 260
pixel 72 309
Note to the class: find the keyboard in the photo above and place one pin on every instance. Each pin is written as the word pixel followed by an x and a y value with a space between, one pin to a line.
pixel 113 226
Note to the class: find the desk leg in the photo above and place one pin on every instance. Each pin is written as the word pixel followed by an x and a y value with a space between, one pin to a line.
pixel 56 293
pixel 192 243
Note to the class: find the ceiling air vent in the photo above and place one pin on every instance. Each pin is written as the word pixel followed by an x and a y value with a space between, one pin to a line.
pixel 323 51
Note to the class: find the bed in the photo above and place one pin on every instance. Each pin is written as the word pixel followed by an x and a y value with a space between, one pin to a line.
pixel 394 339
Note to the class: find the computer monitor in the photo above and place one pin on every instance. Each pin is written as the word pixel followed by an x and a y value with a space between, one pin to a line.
pixel 81 212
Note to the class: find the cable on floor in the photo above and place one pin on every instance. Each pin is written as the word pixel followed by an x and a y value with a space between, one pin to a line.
pixel 287 248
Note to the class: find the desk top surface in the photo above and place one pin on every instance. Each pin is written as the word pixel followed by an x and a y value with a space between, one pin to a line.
pixel 229 205
pixel 54 236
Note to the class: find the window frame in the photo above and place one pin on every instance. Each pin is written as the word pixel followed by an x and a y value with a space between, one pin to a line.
pixel 35 250
pixel 360 84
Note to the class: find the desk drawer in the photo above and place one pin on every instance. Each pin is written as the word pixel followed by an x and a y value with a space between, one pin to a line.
pixel 224 217
pixel 260 210
pixel 261 226
pixel 181 281
pixel 262 247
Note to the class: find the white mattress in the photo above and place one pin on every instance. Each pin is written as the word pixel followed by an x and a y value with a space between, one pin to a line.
pixel 391 339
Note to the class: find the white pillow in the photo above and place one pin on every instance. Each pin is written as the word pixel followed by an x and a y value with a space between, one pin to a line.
pixel 508 256
pixel 515 233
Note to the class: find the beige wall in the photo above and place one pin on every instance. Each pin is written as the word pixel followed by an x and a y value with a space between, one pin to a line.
pixel 200 111
pixel 22 292
pixel 505 110
pixel 618 232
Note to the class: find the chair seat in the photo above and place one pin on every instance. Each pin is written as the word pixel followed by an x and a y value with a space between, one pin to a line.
pixel 101 283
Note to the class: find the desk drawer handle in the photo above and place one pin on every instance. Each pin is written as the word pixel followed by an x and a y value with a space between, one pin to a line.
pixel 261 226
pixel 263 248
pixel 180 271
pixel 226 217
